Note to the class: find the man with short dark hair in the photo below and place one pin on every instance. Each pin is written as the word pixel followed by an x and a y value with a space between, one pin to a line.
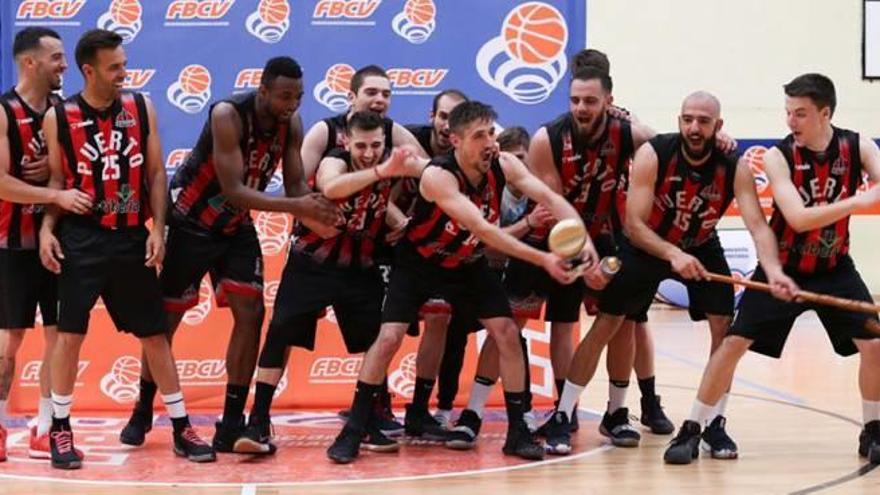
pixel 105 142
pixel 339 271
pixel 456 212
pixel 24 172
pixel 814 173
pixel 244 140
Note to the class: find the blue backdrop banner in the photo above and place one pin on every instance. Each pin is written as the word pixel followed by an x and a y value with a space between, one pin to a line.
pixel 188 53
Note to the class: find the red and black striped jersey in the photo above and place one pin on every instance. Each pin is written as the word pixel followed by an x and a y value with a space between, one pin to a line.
pixel 688 200
pixel 19 223
pixel 593 177
pixel 362 231
pixel 443 240
pixel 820 179
pixel 104 153
pixel 197 198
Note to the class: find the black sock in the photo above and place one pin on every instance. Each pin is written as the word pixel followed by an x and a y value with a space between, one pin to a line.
pixel 365 397
pixel 422 393
pixel 513 402
pixel 560 384
pixel 233 408
pixel 646 385
pixel 179 424
pixel 148 394
pixel 385 396
pixel 263 395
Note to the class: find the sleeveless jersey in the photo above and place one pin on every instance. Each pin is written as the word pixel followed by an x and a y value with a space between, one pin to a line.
pixel 362 231
pixel 442 240
pixel 103 154
pixel 593 178
pixel 19 223
pixel 689 201
pixel 197 198
pixel 820 178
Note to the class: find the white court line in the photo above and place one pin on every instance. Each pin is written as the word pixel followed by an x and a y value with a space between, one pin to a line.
pixel 249 489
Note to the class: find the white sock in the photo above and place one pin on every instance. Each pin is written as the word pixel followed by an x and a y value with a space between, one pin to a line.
pixel 571 394
pixel 2 412
pixel 701 413
pixel 721 406
pixel 174 404
pixel 479 396
pixel 61 405
pixel 44 416
pixel 870 410
pixel 616 396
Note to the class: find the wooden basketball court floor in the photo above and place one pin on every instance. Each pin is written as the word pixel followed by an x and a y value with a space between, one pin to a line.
pixel 796 420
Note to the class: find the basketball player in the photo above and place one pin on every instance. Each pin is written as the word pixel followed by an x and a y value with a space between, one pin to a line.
pixel 457 210
pixel 584 155
pixel 434 137
pixel 680 186
pixel 514 221
pixel 339 271
pixel 24 173
pixel 370 90
pixel 210 229
pixel 106 143
pixel 814 173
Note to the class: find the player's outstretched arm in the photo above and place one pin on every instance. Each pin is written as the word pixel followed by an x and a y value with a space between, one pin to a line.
pixel 157 189
pixel 441 187
pixel 800 217
pixel 229 165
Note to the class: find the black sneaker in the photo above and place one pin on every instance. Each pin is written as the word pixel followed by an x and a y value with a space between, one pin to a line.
pixel 388 423
pixel 654 418
pixel 376 441
pixel 226 436
pixel 616 427
pixel 419 423
pixel 346 446
pixel 463 435
pixel 62 451
pixel 717 442
pixel 869 442
pixel 557 430
pixel 521 443
pixel 685 447
pixel 187 443
pixel 255 438
pixel 139 424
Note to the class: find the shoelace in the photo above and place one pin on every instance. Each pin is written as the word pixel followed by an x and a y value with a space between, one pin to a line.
pixel 189 434
pixel 63 441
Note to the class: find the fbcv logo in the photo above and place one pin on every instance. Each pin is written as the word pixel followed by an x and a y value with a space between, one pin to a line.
pixel 526 60
pixel 270 21
pixel 192 90
pixel 48 12
pixel 188 13
pixel 332 91
pixel 136 79
pixel 416 22
pixel 345 12
pixel 124 18
pixel 248 79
